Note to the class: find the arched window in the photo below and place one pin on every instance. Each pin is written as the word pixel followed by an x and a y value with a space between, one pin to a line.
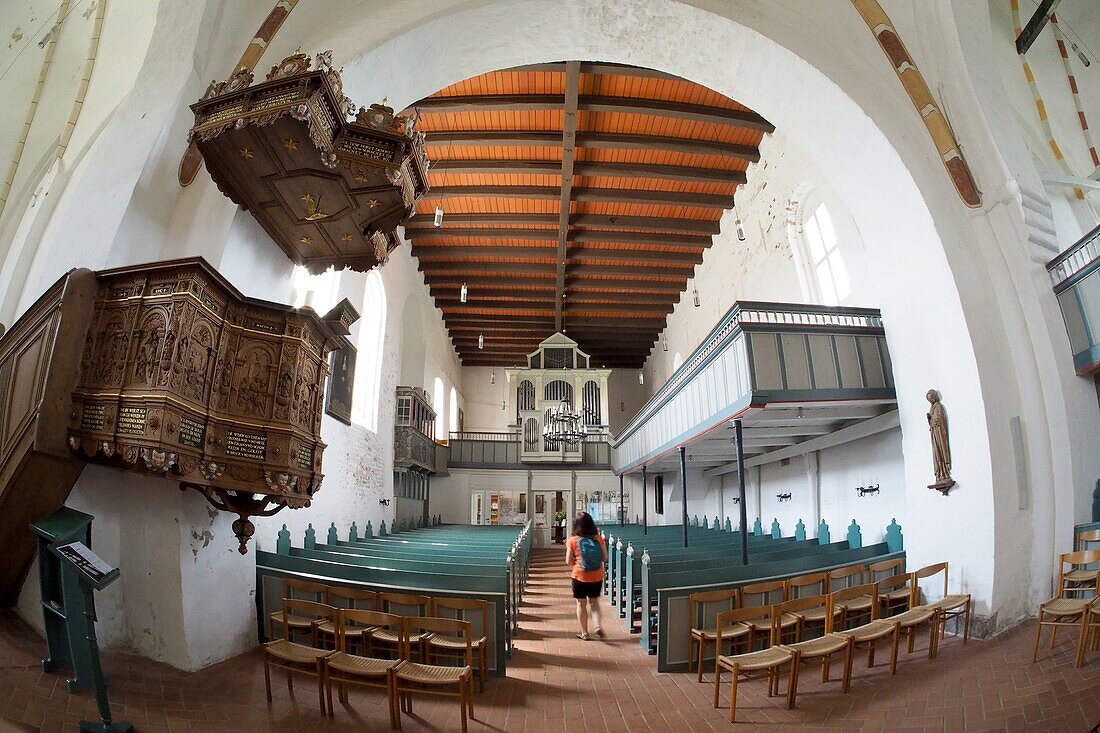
pixel 370 345
pixel 438 405
pixel 823 258
pixel 319 292
pixel 454 410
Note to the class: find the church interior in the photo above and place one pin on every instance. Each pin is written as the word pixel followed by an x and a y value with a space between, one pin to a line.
pixel 324 325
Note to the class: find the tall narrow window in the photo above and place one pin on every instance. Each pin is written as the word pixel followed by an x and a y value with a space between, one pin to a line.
pixel 438 405
pixel 454 410
pixel 370 346
pixel 659 494
pixel 825 260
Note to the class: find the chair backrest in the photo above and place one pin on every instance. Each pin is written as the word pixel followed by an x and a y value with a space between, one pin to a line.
pixel 1084 539
pixel 885 568
pixel 412 625
pixel 837 598
pixel 893 582
pixel 928 571
pixel 359 598
pixel 306 589
pixel 1080 560
pixel 812 584
pixel 464 609
pixel 354 618
pixel 845 577
pixel 309 609
pixel 706 605
pixel 725 619
pixel 767 593
pixel 404 604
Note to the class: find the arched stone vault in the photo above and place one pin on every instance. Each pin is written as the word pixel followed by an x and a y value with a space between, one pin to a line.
pixel 968 307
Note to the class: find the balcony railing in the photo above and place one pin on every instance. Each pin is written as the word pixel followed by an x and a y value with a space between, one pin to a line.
pixel 491 449
pixel 1075 277
pixel 760 352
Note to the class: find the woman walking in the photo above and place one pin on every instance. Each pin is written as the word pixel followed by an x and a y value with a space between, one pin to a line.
pixel 586 551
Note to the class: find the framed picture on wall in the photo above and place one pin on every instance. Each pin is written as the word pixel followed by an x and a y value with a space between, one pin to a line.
pixel 341 381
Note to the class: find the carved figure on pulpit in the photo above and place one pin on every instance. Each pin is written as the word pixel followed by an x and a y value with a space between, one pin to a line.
pixel 146 357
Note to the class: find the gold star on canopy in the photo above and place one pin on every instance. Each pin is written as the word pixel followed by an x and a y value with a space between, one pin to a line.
pixel 290 144
pixel 372 203
pixel 246 153
pixel 305 240
pixel 346 237
pixel 360 179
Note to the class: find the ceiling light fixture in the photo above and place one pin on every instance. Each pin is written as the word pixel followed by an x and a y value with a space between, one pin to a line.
pixel 481 341
pixel 641 377
pixel 462 292
pixel 695 295
pixel 801 413
pixel 738 227
pixel 664 344
pixel 493 377
pixel 439 213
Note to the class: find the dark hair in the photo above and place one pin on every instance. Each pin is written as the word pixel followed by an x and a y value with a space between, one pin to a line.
pixel 583 525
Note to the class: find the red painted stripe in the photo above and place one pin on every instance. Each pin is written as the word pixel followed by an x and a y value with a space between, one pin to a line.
pixel 1084 122
pixel 1062 49
pixel 1073 83
pixel 1095 157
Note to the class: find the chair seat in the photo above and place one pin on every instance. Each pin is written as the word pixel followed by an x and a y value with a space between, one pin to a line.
pixel 762 659
pixel 329 627
pixel 950 603
pixel 758 625
pixel 361 666
pixel 729 632
pixel 288 651
pixel 860 603
pixel 895 595
pixel 390 637
pixel 818 614
pixel 1081 576
pixel 430 674
pixel 915 616
pixel 870 631
pixel 820 646
pixel 295 622
pixel 1066 606
pixel 453 642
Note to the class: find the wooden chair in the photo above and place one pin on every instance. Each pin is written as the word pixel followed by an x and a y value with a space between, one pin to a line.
pixel 1082 540
pixel 400 604
pixel 763 596
pixel 345 668
pixel 950 606
pixel 753 664
pixel 813 584
pixel 845 578
pixel 705 606
pixel 1063 611
pixel 1079 578
pixel 299 658
pixel 870 633
pixel 442 645
pixel 428 679
pixel 910 621
pixel 821 650
pixel 876 571
pixel 353 598
pixel 300 590
pixel 894 594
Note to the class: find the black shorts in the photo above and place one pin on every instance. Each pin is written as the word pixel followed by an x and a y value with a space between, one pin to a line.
pixel 587 590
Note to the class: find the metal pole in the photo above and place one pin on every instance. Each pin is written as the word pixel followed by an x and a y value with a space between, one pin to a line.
pixel 684 491
pixel 622 513
pixel 645 500
pixel 738 442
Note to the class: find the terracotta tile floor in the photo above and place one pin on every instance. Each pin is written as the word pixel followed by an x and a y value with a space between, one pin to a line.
pixel 559 684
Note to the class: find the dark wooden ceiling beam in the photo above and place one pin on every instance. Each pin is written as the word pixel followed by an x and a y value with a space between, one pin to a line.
pixel 460 253
pixel 691 174
pixel 590 193
pixel 602 221
pixel 641 310
pixel 595 103
pixel 653 268
pixel 568 155
pixel 591 140
pixel 596 67
pixel 642 288
pixel 549 235
pixel 539 296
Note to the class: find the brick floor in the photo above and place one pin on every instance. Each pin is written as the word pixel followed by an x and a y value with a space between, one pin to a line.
pixel 559 684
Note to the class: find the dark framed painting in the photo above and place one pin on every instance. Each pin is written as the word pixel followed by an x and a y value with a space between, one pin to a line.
pixel 341 380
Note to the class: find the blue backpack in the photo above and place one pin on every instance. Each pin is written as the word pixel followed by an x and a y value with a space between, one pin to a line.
pixel 591 554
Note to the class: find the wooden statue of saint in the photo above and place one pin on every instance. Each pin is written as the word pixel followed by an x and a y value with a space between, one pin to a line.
pixel 941 446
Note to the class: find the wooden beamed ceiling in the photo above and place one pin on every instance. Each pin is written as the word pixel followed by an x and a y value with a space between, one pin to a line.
pixel 577 197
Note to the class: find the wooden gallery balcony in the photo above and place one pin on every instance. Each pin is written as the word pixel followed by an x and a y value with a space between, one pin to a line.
pixel 1074 275
pixel 503 450
pixel 797 376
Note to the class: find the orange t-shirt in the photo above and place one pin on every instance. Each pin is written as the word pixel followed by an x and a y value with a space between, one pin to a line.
pixel 585 576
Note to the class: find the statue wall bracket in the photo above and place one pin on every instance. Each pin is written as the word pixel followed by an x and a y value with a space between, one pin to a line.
pixel 241 503
pixel 943 486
